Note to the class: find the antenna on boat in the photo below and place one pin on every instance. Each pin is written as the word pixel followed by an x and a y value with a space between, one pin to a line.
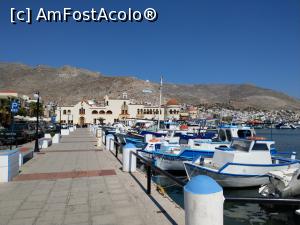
pixel 271 130
pixel 160 97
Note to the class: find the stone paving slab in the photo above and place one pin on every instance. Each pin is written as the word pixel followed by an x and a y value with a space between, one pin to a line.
pixel 64 175
pixel 94 200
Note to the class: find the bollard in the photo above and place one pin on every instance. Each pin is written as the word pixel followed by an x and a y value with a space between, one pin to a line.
pixel 293 156
pixel 47 135
pixel 148 137
pixel 203 201
pixel 112 144
pixel 103 137
pixel 129 160
pixel 56 139
pixel 99 132
pixel 65 132
pixel 107 143
pixel 99 142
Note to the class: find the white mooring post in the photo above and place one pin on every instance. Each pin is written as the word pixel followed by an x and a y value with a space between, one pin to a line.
pixel 56 139
pixel 103 136
pixel 108 138
pixel 112 144
pixel 129 160
pixel 99 132
pixel 99 142
pixel 203 201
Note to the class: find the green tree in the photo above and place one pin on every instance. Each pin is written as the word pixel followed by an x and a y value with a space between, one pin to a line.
pixel 101 120
pixel 4 112
pixel 33 109
pixel 22 112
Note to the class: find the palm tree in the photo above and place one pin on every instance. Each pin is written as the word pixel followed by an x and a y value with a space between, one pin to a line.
pixel 101 120
pixel 4 112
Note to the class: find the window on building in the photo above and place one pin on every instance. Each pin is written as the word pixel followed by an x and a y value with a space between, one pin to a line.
pixel 138 111
pixel 64 112
pixel 109 112
pixel 69 111
pixel 94 112
pixel 150 111
pixel 102 112
pixel 81 111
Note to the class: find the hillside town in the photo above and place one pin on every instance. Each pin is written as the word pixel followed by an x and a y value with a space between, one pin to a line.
pixel 108 111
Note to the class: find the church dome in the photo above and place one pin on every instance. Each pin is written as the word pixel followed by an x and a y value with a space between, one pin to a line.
pixel 172 101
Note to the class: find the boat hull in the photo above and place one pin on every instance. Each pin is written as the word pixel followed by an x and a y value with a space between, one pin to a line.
pixel 169 165
pixel 230 179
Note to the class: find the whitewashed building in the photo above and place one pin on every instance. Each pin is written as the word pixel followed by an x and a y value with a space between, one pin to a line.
pixel 113 110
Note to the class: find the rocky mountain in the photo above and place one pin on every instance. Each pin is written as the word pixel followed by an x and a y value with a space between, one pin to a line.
pixel 69 85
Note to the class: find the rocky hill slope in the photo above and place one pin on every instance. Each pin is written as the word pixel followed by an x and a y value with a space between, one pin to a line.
pixel 69 85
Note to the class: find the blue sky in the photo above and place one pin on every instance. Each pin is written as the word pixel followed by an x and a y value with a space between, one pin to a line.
pixel 193 41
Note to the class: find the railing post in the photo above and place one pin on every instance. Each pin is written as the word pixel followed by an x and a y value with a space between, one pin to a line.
pixel 149 172
pixel 117 148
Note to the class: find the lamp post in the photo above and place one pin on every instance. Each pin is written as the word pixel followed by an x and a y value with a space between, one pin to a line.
pixel 36 147
pixel 60 120
pixel 68 117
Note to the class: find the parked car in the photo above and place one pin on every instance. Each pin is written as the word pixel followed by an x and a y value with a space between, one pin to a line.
pixel 52 127
pixel 20 132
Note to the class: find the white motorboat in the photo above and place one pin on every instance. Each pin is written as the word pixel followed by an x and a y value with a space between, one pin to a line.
pixel 172 158
pixel 244 164
pixel 155 144
pixel 283 183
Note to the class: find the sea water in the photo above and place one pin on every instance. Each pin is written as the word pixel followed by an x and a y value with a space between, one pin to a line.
pixel 249 213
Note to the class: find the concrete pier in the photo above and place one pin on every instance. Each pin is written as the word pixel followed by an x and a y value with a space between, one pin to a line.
pixel 74 182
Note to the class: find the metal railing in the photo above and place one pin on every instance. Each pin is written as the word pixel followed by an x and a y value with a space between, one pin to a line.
pixel 150 168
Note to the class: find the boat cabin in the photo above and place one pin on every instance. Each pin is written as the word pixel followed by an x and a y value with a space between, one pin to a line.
pixel 244 151
pixel 228 132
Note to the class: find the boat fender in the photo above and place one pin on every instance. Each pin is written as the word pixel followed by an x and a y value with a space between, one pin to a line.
pixel 154 140
pixel 161 190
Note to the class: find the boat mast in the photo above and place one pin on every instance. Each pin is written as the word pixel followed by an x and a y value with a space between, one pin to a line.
pixel 160 97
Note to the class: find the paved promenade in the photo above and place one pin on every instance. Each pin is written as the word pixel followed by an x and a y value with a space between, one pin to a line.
pixel 74 182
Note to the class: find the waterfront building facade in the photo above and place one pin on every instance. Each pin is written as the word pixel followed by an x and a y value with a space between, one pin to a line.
pixel 112 110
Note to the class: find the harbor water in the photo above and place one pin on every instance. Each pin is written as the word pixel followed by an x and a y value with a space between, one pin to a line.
pixel 246 213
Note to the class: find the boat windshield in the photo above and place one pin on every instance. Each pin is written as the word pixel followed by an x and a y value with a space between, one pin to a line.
pixel 244 133
pixel 241 145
